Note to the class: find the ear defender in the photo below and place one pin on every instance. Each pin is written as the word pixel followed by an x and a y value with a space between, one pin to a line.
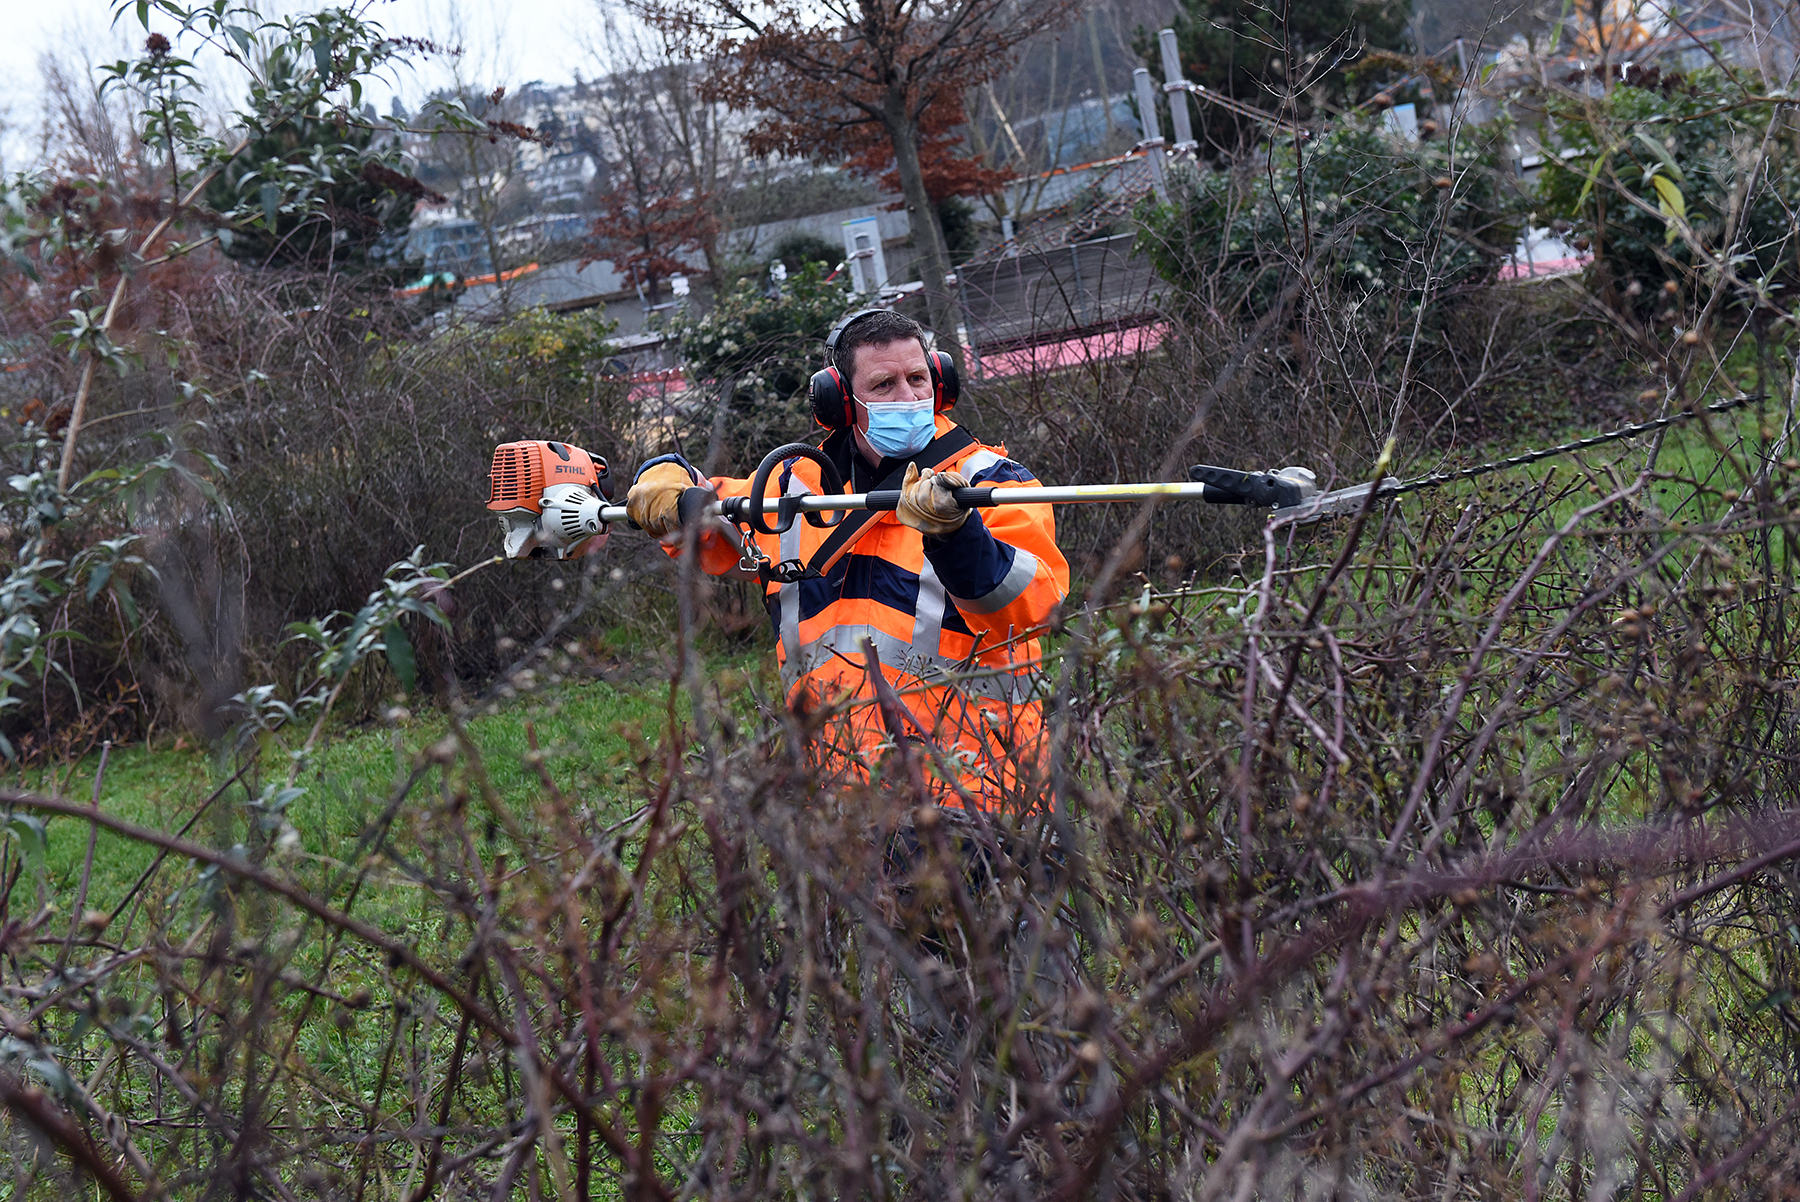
pixel 828 391
pixel 830 399
pixel 946 385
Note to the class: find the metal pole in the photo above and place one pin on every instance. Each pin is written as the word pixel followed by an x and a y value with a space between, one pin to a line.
pixel 1153 139
pixel 1075 266
pixel 970 498
pixel 1175 87
pixel 1069 494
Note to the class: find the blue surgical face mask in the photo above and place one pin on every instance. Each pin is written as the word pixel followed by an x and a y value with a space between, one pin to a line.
pixel 901 428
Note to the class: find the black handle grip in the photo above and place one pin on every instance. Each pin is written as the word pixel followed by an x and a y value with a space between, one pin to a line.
pixel 968 498
pixel 1226 486
pixel 692 505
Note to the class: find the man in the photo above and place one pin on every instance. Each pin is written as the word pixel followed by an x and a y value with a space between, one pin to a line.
pixel 951 599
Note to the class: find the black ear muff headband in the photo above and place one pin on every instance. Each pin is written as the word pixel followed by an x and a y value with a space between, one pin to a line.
pixel 829 391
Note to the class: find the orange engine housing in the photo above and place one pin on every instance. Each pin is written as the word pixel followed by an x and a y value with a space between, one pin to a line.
pixel 523 470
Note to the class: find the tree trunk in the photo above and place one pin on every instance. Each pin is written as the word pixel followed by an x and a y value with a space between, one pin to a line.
pixel 943 314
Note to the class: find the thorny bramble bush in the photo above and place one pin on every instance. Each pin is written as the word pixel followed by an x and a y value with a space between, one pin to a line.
pixel 1447 852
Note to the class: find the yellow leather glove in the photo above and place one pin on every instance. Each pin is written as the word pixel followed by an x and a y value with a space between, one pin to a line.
pixel 926 504
pixel 654 499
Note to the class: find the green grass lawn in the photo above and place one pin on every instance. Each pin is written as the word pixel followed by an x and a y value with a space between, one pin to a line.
pixel 589 731
pixel 586 730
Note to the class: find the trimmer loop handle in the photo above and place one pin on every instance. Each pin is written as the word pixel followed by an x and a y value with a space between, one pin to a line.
pixel 786 507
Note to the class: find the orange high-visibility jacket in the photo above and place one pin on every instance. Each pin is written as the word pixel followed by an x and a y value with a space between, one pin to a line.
pixel 954 621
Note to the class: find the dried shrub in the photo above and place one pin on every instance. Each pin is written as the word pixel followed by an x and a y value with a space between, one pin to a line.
pixel 1445 852
pixel 329 436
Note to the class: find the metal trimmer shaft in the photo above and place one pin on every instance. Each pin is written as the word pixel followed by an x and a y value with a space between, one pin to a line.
pixel 987 497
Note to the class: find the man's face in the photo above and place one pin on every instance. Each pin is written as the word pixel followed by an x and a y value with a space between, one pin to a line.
pixel 893 371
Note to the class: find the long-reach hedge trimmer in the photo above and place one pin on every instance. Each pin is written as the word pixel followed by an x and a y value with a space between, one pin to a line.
pixel 552 498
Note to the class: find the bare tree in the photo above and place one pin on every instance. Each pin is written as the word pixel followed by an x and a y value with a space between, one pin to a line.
pixel 670 157
pixel 817 78
pixel 480 167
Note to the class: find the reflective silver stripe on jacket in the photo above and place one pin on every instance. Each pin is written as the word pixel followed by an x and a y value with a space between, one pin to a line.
pixel 974 464
pixel 1014 686
pixel 1012 586
pixel 919 657
pixel 928 615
